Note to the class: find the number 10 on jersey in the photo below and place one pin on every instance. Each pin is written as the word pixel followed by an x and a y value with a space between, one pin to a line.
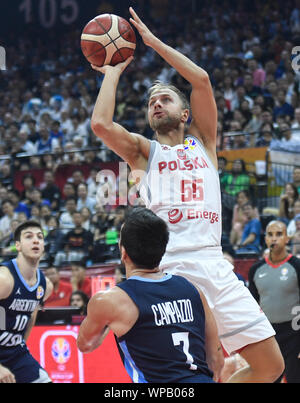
pixel 192 190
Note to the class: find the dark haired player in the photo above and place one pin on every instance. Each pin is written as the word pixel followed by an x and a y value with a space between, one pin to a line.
pixel 163 324
pixel 23 287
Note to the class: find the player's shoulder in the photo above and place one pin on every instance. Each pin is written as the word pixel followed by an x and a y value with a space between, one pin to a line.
pixel 111 297
pixel 109 303
pixel 6 282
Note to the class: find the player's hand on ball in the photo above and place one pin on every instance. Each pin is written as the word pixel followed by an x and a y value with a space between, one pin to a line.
pixel 120 67
pixel 143 30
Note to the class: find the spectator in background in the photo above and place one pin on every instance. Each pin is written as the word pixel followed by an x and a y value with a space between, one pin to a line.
pixel 69 190
pixel 99 222
pixel 265 136
pixel 78 242
pixel 80 300
pixel 239 97
pixel 35 199
pixel 239 219
pixel 86 218
pixel 258 74
pixel 6 174
pixel 83 199
pixel 24 144
pixel 254 124
pixel 62 290
pixel 239 141
pixel 286 133
pixel 291 228
pixel 296 178
pixel 45 213
pixel 8 246
pixel 50 190
pixel 296 237
pixel 35 213
pixel 66 222
pixel 250 241
pixel 5 221
pixel 14 196
pixel 282 108
pixel 54 238
pixel 57 134
pixel 238 179
pixel 252 91
pixel 287 201
pixel 3 196
pixel 77 178
pixel 46 144
pixel 79 280
pixel 28 182
pixel 296 125
pixel 92 183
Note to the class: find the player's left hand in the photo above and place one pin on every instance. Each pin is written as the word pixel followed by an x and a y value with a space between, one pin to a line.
pixel 143 30
pixel 216 364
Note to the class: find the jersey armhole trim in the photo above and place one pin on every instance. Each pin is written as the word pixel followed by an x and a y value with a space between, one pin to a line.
pixel 203 149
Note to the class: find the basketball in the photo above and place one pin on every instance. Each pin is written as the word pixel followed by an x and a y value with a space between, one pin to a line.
pixel 108 40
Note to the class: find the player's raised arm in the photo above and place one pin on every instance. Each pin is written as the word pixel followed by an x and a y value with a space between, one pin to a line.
pixel 204 110
pixel 133 148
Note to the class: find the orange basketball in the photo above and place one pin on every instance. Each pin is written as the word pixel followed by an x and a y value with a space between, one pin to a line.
pixel 108 39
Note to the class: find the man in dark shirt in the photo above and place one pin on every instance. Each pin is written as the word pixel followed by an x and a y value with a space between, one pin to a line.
pixel 50 191
pixel 78 243
pixel 275 284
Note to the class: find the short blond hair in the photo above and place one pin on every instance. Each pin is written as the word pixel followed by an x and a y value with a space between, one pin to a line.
pixel 159 85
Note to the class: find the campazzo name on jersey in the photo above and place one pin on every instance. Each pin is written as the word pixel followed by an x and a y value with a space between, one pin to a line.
pixel 179 311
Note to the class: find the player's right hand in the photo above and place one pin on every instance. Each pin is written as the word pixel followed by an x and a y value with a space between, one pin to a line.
pixel 6 376
pixel 120 67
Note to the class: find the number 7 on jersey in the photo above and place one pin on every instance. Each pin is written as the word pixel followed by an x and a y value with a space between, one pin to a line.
pixel 184 338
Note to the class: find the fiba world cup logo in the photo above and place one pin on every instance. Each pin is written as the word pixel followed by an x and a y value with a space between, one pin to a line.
pixel 189 144
pixel 175 216
pixel 61 350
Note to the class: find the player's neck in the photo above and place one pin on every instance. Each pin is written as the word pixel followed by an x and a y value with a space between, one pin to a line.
pixel 153 274
pixel 27 267
pixel 171 138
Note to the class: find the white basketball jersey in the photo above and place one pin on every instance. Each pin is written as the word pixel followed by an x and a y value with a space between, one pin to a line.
pixel 182 187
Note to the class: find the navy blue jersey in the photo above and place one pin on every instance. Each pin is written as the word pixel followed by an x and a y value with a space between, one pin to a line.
pixel 16 310
pixel 167 343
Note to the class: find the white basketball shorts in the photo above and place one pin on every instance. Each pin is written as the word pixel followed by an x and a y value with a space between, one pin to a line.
pixel 239 318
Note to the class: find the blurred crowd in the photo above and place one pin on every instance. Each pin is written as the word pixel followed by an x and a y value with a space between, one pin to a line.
pixel 48 92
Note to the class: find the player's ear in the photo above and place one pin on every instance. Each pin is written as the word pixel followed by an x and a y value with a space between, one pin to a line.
pixel 123 253
pixel 185 115
pixel 18 245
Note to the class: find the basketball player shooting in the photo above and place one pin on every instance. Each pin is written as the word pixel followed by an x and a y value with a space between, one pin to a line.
pixel 180 184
